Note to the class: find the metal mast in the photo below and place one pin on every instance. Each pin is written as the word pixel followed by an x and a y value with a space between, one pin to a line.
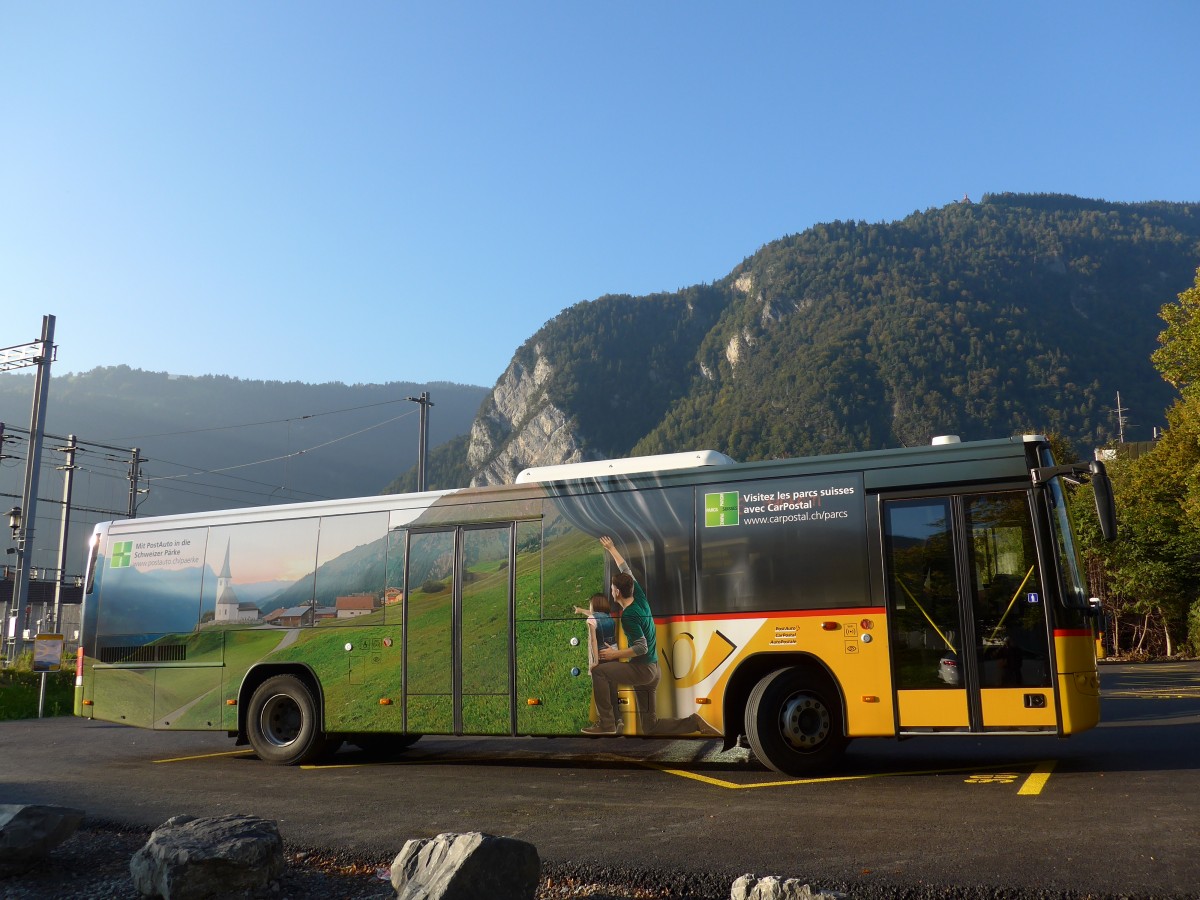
pixel 423 447
pixel 39 353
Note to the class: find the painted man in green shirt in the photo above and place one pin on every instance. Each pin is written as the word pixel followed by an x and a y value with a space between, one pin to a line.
pixel 636 665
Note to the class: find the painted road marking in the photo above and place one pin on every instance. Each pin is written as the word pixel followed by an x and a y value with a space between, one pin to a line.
pixel 1032 787
pixel 1034 783
pixel 1185 693
pixel 206 756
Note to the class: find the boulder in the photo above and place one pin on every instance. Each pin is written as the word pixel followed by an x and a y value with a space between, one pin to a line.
pixel 772 887
pixel 466 867
pixel 27 833
pixel 190 858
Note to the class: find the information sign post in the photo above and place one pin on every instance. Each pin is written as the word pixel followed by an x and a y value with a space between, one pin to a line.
pixel 47 658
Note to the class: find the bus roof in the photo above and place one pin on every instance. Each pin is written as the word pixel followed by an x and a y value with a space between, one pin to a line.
pixel 934 463
pixel 663 462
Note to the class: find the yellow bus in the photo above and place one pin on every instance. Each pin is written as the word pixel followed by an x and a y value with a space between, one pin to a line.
pixel 798 603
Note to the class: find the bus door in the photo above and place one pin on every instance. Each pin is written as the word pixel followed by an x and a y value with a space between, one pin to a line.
pixel 970 638
pixel 458 639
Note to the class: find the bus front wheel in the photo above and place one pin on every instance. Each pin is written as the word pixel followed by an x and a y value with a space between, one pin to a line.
pixel 283 724
pixel 794 723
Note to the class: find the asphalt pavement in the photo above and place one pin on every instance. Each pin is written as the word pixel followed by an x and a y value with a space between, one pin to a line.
pixel 1109 812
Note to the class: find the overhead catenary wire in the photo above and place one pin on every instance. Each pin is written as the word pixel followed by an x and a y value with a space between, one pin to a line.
pixel 120 472
pixel 284 456
pixel 238 492
pixel 300 418
pixel 107 469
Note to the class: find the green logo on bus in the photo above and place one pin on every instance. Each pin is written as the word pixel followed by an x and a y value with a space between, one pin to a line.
pixel 721 509
pixel 122 554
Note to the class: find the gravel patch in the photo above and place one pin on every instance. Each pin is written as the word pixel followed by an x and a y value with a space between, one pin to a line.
pixel 93 864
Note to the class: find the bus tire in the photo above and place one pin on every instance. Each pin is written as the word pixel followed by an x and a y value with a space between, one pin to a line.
pixel 283 725
pixel 794 723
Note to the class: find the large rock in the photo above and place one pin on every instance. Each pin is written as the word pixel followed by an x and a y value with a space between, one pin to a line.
pixel 27 833
pixel 466 867
pixel 188 858
pixel 772 887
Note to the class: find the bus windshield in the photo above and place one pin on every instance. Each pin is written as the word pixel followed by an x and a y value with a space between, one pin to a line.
pixel 1074 591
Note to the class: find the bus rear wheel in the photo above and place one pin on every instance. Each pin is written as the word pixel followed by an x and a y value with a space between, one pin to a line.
pixel 794 723
pixel 282 723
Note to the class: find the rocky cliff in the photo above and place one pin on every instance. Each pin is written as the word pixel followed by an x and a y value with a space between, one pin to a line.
pixel 518 426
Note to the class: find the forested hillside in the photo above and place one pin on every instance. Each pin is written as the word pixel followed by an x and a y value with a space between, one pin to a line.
pixel 981 319
pixel 1016 313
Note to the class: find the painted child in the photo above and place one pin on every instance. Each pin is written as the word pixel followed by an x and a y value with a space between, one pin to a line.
pixel 602 630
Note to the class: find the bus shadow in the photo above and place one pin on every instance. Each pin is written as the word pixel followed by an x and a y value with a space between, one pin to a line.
pixel 1134 739
pixel 1137 735
pixel 1154 746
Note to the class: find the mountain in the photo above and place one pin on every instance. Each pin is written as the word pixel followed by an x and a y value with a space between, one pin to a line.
pixel 216 442
pixel 1017 313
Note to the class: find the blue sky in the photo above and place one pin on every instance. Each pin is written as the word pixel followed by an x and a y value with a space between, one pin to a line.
pixel 387 191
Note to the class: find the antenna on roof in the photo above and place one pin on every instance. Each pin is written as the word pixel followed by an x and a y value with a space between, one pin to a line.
pixel 1121 419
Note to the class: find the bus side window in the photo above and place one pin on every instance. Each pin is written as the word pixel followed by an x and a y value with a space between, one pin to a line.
pixel 351 556
pixel 393 582
pixel 529 570
pixel 923 600
pixel 574 566
pixel 1009 606
pixel 668 555
pixel 263 573
pixel 150 584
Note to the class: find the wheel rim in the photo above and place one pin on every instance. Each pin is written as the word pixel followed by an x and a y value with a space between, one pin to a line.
pixel 281 720
pixel 804 721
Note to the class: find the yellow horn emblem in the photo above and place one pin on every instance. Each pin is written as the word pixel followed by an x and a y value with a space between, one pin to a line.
pixel 716 652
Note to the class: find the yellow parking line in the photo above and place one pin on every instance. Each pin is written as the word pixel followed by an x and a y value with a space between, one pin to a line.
pixel 367 763
pixel 1034 783
pixel 1027 788
pixel 1031 787
pixel 206 756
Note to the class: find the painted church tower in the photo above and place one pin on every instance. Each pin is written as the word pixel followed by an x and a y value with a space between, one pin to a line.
pixel 227 601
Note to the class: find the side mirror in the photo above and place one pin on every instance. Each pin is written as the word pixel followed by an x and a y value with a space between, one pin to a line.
pixel 1106 507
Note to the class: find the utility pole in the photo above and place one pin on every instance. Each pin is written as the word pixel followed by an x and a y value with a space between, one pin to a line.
pixel 134 474
pixel 68 471
pixel 39 353
pixel 53 626
pixel 423 446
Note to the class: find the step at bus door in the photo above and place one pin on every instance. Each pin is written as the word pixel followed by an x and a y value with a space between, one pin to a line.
pixel 970 634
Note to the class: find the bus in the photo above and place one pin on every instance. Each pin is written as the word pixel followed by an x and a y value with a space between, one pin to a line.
pixel 797 604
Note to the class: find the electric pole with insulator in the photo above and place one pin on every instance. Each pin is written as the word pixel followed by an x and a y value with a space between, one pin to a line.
pixel 423 446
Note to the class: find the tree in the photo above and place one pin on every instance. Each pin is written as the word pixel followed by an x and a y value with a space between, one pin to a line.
pixel 1156 563
pixel 1178 359
pixel 1155 568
